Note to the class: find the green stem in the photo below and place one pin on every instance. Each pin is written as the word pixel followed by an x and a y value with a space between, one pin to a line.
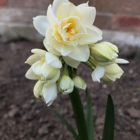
pixel 79 114
pixel 89 65
pixel 65 71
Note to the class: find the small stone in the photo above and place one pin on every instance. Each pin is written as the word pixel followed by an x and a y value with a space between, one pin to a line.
pixel 13 111
pixel 43 130
pixel 134 112
pixel 104 86
pixel 100 120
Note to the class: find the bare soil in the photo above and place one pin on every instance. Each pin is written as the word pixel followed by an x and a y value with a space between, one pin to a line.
pixel 22 117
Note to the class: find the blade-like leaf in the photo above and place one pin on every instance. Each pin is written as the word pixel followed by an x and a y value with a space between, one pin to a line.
pixel 89 117
pixel 69 127
pixel 108 133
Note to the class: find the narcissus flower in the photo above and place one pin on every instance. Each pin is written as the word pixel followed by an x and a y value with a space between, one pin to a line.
pixel 68 29
pixel 109 73
pixel 79 82
pixel 45 67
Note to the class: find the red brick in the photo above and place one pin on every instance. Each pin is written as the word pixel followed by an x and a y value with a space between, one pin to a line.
pixel 39 4
pixel 126 22
pixel 3 3
pixel 36 4
pixel 119 6
pixel 103 21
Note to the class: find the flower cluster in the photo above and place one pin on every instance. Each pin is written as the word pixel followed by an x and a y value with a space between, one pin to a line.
pixel 70 38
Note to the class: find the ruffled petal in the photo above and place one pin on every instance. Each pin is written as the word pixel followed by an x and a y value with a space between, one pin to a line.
pixel 71 62
pixel 41 24
pixel 80 53
pixel 50 93
pixel 57 4
pixel 62 48
pixel 53 60
pixel 66 10
pixel 52 20
pixel 87 14
pixel 93 35
pixel 98 73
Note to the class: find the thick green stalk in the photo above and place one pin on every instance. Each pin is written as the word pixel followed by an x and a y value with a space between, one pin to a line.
pixel 79 114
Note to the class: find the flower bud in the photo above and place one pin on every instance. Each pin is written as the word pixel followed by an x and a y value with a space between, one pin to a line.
pixel 79 82
pixel 65 84
pixel 112 73
pixel 104 53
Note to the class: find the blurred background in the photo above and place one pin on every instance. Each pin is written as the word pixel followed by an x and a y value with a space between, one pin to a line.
pixel 25 118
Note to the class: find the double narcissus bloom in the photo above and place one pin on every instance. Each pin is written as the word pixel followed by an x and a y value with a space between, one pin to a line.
pixel 70 38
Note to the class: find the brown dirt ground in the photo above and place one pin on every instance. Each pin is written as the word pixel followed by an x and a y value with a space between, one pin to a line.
pixel 24 118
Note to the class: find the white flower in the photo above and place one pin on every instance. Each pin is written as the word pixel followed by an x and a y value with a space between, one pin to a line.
pixel 68 29
pixel 108 73
pixel 79 82
pixel 48 93
pixel 65 84
pixel 44 66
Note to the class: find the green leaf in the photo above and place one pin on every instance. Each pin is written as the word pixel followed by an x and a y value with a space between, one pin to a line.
pixel 108 133
pixel 69 127
pixel 89 117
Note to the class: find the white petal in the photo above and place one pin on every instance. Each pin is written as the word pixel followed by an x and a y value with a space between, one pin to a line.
pixel 57 4
pixel 62 48
pixel 121 61
pixel 81 32
pixel 37 68
pixel 93 35
pixel 80 53
pixel 38 89
pixel 53 60
pixel 41 24
pixel 50 93
pixel 67 10
pixel 38 51
pixel 58 46
pixel 31 75
pixel 52 81
pixel 88 15
pixel 51 17
pixel 71 62
pixel 32 59
pixel 50 48
pixel 98 73
pixel 66 92
pixel 83 5
pixel 48 71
